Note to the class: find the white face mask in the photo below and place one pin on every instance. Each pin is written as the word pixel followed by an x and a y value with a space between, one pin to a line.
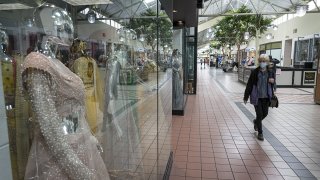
pixel 263 65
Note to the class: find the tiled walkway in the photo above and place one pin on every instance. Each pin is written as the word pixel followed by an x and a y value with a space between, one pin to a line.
pixel 216 140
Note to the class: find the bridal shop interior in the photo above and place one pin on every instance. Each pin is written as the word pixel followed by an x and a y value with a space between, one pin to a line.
pixel 86 89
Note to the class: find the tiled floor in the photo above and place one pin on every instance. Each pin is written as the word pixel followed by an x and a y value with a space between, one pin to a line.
pixel 215 139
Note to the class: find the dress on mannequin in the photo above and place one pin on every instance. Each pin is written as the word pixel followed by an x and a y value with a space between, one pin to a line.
pixel 8 71
pixel 63 147
pixel 119 137
pixel 177 98
pixel 86 68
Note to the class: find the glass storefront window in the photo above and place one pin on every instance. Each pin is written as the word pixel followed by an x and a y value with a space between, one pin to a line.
pixel 190 59
pixel 87 97
pixel 306 51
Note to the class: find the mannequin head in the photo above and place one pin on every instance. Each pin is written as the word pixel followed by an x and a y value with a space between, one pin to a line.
pixel 56 26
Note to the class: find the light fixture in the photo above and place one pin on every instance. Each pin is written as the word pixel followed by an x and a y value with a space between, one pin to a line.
pixel 246 35
pixel 269 36
pixel 301 10
pixel 174 11
pixel 209 30
pixel 91 16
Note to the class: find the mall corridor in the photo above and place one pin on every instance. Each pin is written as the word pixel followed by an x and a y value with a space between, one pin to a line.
pixel 215 138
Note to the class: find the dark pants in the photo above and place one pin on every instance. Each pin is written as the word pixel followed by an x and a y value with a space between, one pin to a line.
pixel 261 112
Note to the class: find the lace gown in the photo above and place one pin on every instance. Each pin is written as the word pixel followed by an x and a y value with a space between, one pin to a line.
pixel 63 146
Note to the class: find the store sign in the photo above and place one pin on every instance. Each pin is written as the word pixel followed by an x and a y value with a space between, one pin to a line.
pixel 309 78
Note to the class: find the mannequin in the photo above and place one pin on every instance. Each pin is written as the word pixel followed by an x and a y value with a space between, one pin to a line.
pixel 86 68
pixel 111 92
pixel 119 136
pixel 8 71
pixel 177 98
pixel 63 146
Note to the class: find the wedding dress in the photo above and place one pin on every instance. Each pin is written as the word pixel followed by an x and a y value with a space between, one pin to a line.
pixel 63 146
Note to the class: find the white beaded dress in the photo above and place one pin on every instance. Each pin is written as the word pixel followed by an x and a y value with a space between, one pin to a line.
pixel 63 146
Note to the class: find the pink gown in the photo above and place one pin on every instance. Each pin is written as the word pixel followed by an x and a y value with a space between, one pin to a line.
pixel 63 146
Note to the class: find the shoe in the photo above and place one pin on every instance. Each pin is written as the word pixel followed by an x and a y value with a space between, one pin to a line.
pixel 255 125
pixel 260 137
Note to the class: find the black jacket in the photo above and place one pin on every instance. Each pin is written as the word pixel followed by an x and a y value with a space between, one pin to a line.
pixel 253 80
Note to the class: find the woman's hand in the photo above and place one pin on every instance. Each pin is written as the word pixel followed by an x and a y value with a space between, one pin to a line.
pixel 271 80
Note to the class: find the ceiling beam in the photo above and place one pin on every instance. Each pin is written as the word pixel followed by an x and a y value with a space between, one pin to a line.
pixel 230 1
pixel 138 17
pixel 206 7
pixel 266 1
pixel 125 8
pixel 137 8
pixel 254 7
pixel 316 5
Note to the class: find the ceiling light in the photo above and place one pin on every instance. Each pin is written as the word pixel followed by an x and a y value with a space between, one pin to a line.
pixel 246 35
pixel 269 36
pixel 13 6
pixel 87 2
pixel 301 10
pixel 91 17
pixel 174 11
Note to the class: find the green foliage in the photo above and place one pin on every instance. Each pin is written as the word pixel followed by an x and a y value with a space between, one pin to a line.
pixel 215 44
pixel 230 30
pixel 148 27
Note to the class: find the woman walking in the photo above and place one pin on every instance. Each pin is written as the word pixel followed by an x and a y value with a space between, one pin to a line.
pixel 260 89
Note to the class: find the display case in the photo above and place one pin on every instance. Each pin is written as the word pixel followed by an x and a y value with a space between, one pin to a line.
pixel 190 61
pixel 73 105
pixel 305 52
pixel 178 72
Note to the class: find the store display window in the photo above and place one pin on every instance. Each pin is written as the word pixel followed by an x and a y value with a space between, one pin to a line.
pixel 305 52
pixel 86 90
